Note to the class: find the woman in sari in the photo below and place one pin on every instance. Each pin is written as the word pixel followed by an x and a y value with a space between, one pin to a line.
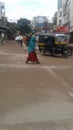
pixel 31 51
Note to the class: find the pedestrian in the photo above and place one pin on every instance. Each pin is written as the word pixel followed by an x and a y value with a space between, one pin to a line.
pixel 20 39
pixel 17 39
pixel 1 38
pixel 31 51
pixel 24 41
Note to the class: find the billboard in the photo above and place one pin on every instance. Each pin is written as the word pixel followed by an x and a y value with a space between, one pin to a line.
pixel 63 29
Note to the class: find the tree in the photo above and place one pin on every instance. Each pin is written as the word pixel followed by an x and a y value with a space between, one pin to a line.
pixel 55 18
pixel 12 29
pixel 23 25
pixel 54 21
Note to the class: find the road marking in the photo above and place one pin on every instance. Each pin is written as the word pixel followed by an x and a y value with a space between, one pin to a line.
pixel 23 65
pixel 58 78
pixel 71 94
pixel 8 53
pixel 39 66
pixel 13 56
pixel 50 70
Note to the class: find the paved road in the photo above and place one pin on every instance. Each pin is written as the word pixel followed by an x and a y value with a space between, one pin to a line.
pixel 35 96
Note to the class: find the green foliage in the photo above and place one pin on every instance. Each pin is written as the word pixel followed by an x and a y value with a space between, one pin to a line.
pixel 22 25
pixel 23 21
pixel 12 29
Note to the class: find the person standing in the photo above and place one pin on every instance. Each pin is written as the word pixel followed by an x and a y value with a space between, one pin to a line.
pixel 24 41
pixel 31 51
pixel 1 38
pixel 20 39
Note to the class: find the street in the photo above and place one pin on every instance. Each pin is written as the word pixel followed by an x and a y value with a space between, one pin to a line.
pixel 35 96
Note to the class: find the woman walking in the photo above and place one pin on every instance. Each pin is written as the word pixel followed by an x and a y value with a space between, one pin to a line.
pixel 31 51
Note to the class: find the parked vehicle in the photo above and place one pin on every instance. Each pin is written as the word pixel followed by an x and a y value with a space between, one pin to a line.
pixel 70 48
pixel 53 43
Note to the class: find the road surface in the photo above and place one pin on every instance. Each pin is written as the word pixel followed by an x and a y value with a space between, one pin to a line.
pixel 35 96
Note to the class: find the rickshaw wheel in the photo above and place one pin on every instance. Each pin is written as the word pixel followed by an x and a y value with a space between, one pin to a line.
pixel 53 52
pixel 39 49
pixel 65 55
pixel 43 52
pixel 69 52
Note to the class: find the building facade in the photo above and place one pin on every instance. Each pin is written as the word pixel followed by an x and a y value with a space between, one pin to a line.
pixel 3 19
pixel 59 13
pixel 65 14
pixel 39 23
pixel 68 13
pixel 2 10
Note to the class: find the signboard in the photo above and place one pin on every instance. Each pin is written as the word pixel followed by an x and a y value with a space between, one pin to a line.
pixel 40 24
pixel 63 29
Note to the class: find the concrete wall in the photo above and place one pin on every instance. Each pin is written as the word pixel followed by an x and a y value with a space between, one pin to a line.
pixel 71 16
pixel 59 4
pixel 59 17
pixel 67 11
pixel 2 10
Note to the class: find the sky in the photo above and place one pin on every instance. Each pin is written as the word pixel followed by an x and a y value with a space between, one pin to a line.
pixel 16 9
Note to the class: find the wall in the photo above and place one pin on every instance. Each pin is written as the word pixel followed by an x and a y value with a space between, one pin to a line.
pixel 2 10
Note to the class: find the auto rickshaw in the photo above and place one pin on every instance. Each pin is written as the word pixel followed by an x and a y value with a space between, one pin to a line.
pixel 53 43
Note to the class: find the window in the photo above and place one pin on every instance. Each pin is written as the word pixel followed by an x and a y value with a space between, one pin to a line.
pixel 59 22
pixel 2 9
pixel 60 14
pixel 61 39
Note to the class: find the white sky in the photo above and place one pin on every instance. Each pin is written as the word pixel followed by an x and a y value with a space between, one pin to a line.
pixel 16 9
